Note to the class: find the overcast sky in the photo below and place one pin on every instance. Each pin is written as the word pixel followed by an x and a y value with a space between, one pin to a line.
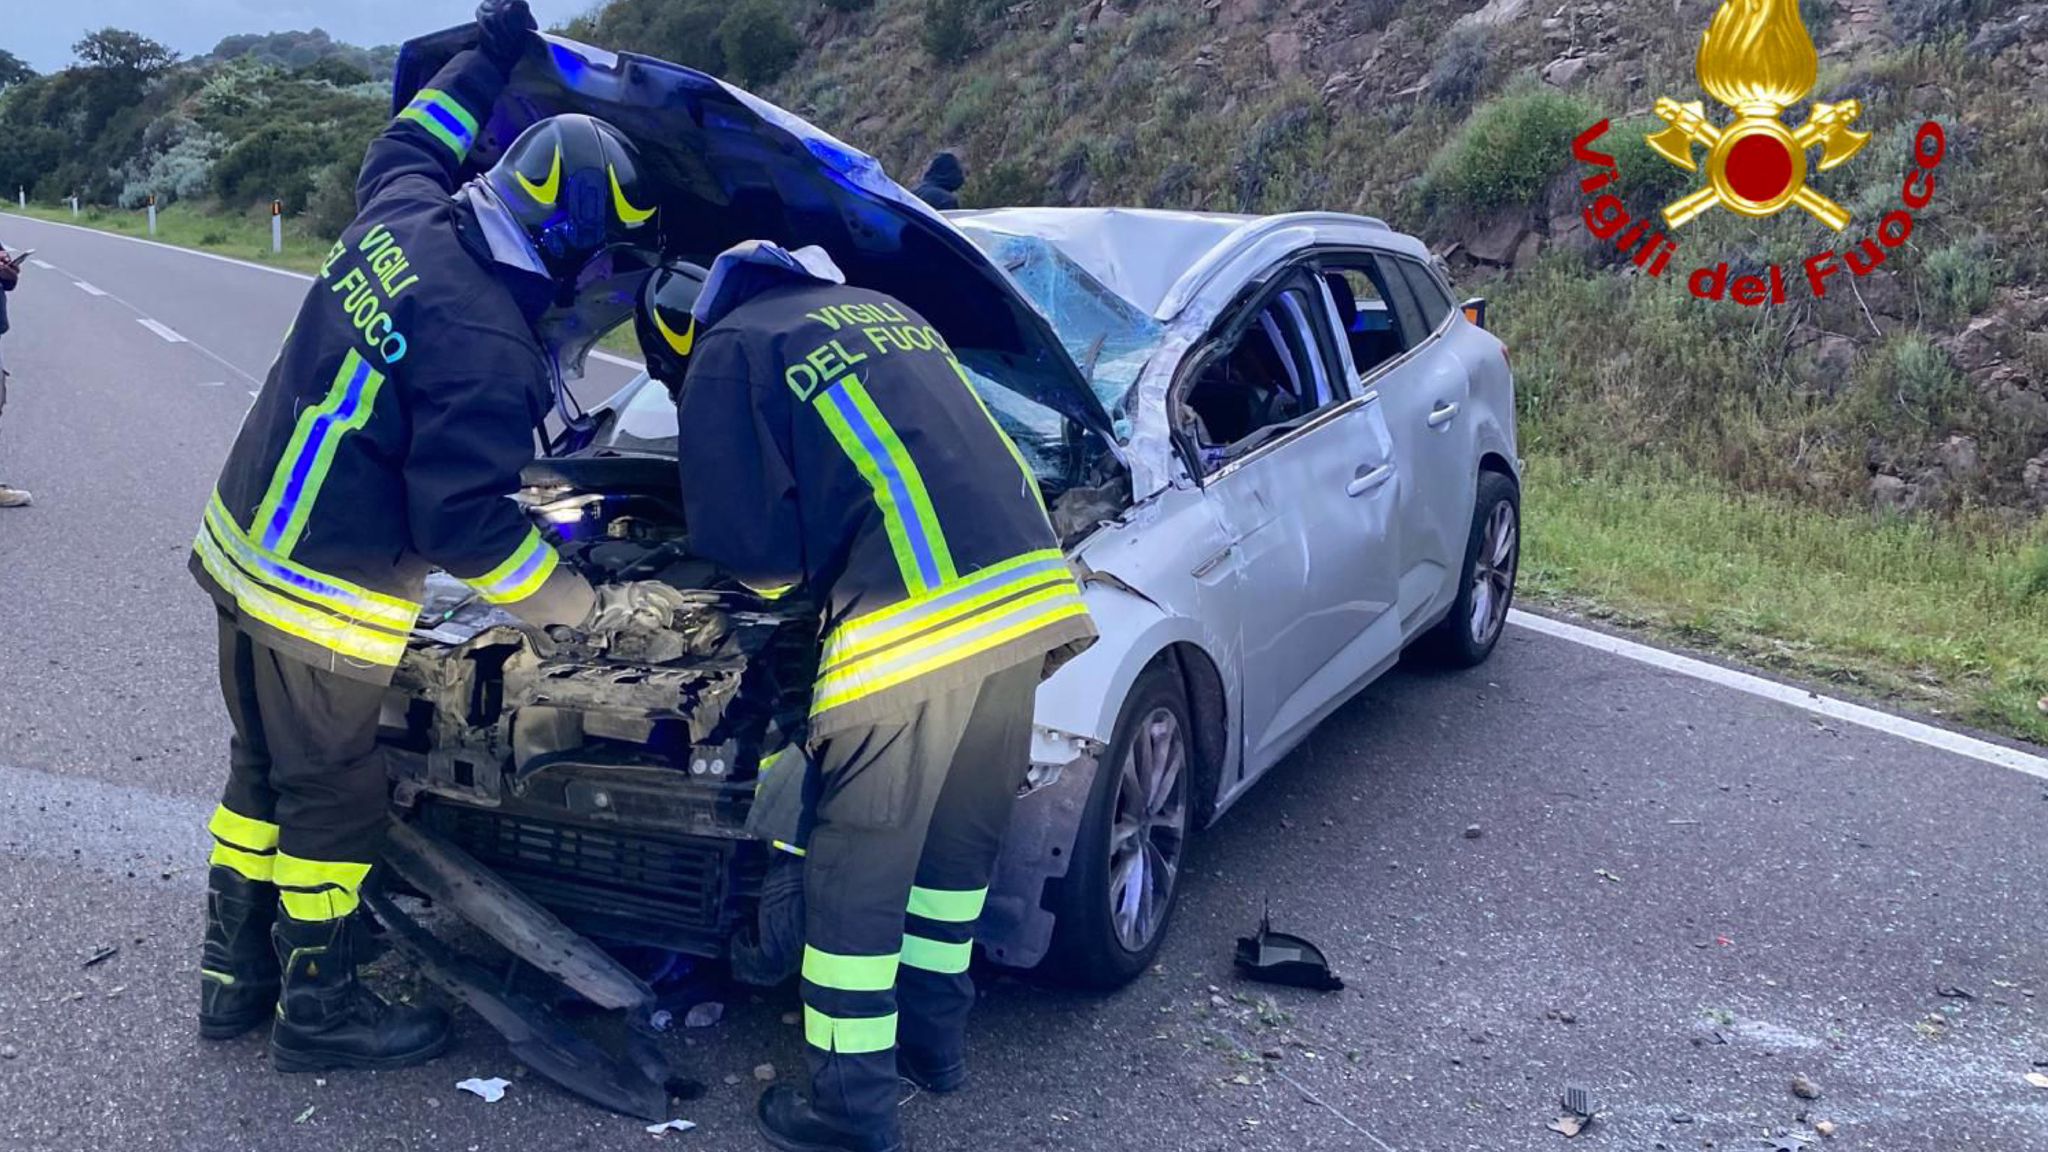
pixel 42 31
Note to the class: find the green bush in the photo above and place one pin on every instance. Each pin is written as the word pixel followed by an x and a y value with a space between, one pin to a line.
pixel 1956 280
pixel 758 42
pixel 1459 73
pixel 331 206
pixel 1506 153
pixel 1910 389
pixel 1152 29
pixel 948 31
pixel 849 5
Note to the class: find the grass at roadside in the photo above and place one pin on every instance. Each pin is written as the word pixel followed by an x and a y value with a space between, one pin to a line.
pixel 244 237
pixel 1946 618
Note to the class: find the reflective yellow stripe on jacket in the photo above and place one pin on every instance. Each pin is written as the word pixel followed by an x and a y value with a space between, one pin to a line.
pixel 333 613
pixel 959 620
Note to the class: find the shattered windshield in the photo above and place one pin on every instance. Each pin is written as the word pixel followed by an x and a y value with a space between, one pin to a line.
pixel 1105 334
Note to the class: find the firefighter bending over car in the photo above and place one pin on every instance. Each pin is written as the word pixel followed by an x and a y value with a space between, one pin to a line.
pixel 832 443
pixel 392 426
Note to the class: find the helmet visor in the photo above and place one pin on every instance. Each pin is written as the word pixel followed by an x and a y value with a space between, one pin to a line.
pixel 601 297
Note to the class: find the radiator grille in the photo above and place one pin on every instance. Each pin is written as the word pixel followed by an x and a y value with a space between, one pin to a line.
pixel 630 886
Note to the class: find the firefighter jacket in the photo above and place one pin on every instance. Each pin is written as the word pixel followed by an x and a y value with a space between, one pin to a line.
pixel 831 441
pixel 395 420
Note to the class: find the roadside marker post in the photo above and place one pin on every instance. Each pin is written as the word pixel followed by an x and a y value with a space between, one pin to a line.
pixel 21 195
pixel 277 225
pixel 152 214
pixel 74 207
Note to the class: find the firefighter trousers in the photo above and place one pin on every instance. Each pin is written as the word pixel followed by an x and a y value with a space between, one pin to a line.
pixel 307 796
pixel 911 815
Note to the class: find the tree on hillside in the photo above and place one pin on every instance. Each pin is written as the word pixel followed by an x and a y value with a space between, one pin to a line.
pixel 13 70
pixel 119 50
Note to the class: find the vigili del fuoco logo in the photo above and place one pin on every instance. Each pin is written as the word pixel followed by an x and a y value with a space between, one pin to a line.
pixel 1756 60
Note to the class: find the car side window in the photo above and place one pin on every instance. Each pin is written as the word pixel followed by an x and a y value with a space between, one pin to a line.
pixel 1369 309
pixel 1273 374
pixel 1429 293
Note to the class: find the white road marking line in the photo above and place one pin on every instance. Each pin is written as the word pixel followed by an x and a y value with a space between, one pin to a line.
pixel 45 266
pixel 160 330
pixel 88 289
pixel 596 354
pixel 252 393
pixel 167 247
pixel 213 383
pixel 1800 698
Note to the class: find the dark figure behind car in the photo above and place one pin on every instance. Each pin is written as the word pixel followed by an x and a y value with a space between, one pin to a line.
pixel 942 181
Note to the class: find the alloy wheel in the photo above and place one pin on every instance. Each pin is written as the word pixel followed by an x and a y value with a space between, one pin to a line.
pixel 1493 573
pixel 1149 832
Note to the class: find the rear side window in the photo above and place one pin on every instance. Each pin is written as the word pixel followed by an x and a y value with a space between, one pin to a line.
pixel 1379 320
pixel 1430 296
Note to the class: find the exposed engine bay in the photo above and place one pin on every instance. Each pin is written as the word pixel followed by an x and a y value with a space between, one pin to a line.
pixel 611 784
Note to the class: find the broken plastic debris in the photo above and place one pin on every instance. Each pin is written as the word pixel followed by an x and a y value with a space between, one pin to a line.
pixel 667 1126
pixel 106 953
pixel 1824 1127
pixel 2037 1079
pixel 1278 958
pixel 302 1117
pixel 492 1090
pixel 1578 1113
pixel 704 1015
pixel 1804 1088
pixel 1954 992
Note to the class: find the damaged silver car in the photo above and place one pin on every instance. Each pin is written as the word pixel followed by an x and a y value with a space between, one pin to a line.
pixel 1276 451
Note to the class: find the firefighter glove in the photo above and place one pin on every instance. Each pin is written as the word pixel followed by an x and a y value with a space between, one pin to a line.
pixel 505 27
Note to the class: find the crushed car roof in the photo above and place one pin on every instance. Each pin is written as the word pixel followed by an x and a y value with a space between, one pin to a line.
pixel 1163 261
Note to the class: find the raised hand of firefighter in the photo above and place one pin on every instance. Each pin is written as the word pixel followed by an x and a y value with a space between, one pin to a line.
pixel 506 27
pixel 637 607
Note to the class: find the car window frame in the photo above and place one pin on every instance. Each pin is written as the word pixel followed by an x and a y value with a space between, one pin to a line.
pixel 1346 395
pixel 1410 271
pixel 1338 259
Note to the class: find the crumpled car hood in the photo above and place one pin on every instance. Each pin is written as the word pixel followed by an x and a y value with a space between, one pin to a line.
pixel 733 167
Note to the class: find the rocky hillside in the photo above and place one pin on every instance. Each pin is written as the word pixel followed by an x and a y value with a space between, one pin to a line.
pixel 1923 389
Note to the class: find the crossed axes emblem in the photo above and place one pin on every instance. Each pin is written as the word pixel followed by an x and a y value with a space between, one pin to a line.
pixel 1757 166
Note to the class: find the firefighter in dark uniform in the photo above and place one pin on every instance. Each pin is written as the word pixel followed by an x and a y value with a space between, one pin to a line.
pixel 392 427
pixel 830 441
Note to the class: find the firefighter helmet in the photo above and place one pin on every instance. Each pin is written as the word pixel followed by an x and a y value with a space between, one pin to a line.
pixel 667 330
pixel 574 182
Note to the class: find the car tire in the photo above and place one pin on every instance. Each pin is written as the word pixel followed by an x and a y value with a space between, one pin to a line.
pixel 1466 636
pixel 1098 942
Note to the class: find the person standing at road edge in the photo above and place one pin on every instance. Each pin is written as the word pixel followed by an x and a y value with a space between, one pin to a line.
pixel 831 442
pixel 392 427
pixel 10 275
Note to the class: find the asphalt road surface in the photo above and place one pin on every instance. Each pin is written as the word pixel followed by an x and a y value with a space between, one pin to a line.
pixel 1681 896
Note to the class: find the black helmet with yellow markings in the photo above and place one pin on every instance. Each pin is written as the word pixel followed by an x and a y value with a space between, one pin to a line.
pixel 574 183
pixel 663 322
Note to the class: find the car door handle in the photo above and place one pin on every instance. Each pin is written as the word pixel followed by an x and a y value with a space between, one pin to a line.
pixel 1443 414
pixel 1369 478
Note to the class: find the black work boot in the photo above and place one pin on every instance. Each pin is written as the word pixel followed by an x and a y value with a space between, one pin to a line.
pixel 237 967
pixel 327 1019
pixel 934 1075
pixel 787 1121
